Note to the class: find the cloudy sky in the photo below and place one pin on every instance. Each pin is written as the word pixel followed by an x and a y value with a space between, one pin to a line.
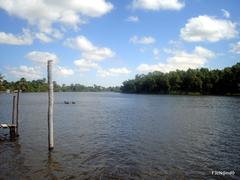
pixel 108 41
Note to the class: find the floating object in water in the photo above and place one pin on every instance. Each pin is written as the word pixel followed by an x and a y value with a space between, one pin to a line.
pixel 4 125
pixel 69 102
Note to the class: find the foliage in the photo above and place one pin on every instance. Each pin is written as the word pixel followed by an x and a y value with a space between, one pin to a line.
pixel 42 86
pixel 192 81
pixel 1 83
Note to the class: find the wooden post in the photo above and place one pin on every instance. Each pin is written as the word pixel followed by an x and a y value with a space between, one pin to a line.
pixel 12 130
pixel 50 106
pixel 13 110
pixel 17 117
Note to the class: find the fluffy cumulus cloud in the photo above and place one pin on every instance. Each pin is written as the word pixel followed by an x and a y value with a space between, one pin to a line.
pixel 180 60
pixel 132 19
pixel 43 37
pixel 98 54
pixel 89 51
pixel 45 13
pixel 80 42
pixel 206 28
pixel 235 48
pixel 113 72
pixel 24 39
pixel 85 65
pixel 145 40
pixel 37 72
pixel 29 73
pixel 91 55
pixel 41 57
pixel 156 5
pixel 63 71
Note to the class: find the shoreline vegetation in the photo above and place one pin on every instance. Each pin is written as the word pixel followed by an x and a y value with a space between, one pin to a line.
pixel 41 85
pixel 191 82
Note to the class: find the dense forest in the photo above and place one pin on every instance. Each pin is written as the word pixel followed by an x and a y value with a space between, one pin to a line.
pixel 192 81
pixel 41 86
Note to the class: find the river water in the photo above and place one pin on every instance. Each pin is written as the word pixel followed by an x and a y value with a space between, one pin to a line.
pixel 122 136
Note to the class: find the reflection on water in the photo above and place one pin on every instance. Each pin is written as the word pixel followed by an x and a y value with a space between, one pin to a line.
pixel 121 136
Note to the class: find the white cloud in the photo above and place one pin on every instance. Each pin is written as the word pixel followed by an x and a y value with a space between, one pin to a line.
pixel 24 39
pixel 113 72
pixel 80 42
pixel 63 71
pixel 98 54
pixel 132 19
pixel 55 33
pixel 45 13
pixel 41 57
pixel 206 28
pixel 235 48
pixel 156 53
pixel 43 37
pixel 226 14
pixel 26 72
pixel 156 5
pixel 180 60
pixel 85 65
pixel 142 40
pixel 71 18
pixel 89 51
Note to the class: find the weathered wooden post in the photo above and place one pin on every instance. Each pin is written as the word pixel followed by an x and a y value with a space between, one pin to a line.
pixel 17 116
pixel 13 109
pixel 50 106
pixel 12 127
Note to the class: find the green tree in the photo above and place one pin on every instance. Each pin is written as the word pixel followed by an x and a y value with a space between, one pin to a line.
pixel 2 88
pixel 199 81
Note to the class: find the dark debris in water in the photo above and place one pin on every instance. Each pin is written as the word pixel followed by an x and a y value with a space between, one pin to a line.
pixel 69 102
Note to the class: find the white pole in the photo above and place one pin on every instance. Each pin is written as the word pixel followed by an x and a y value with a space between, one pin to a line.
pixel 50 106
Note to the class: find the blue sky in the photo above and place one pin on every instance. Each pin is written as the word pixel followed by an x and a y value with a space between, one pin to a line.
pixel 105 42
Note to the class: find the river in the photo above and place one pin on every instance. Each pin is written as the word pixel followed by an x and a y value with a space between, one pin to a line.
pixel 122 136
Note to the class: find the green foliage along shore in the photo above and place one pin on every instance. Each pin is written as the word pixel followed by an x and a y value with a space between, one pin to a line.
pixel 193 82
pixel 42 86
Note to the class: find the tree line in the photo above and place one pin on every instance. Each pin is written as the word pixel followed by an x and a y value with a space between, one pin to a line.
pixel 41 85
pixel 193 81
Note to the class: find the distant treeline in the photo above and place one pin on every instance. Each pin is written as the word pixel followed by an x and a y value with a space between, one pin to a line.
pixel 42 86
pixel 192 81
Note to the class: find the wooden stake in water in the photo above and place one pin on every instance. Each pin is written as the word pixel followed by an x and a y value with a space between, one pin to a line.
pixel 13 110
pixel 17 116
pixel 50 106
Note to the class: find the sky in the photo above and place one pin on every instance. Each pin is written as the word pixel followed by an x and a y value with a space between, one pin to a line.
pixel 106 42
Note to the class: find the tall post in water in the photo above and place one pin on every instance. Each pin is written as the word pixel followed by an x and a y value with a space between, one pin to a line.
pixel 50 106
pixel 12 127
pixel 17 116
pixel 13 109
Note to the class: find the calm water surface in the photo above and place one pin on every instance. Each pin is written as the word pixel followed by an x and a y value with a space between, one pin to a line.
pixel 122 136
